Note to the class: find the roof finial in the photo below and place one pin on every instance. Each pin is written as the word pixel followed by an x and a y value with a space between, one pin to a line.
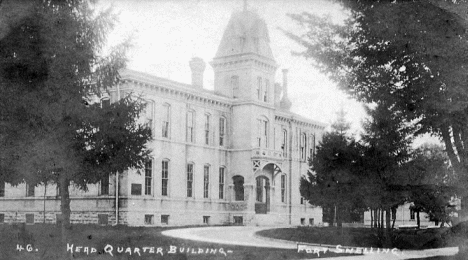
pixel 245 5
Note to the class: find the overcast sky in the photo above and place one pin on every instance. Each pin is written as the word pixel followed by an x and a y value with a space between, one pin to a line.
pixel 167 34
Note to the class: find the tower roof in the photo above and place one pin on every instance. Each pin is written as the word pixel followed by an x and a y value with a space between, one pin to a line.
pixel 245 33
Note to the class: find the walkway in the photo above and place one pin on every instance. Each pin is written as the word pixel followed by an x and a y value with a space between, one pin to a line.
pixel 245 236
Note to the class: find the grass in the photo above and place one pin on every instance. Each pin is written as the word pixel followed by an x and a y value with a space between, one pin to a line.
pixel 47 240
pixel 359 237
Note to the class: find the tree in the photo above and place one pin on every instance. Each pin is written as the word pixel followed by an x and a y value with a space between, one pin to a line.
pixel 386 148
pixel 331 184
pixel 431 183
pixel 341 125
pixel 398 51
pixel 51 67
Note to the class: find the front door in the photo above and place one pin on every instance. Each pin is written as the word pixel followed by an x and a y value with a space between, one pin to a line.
pixel 262 202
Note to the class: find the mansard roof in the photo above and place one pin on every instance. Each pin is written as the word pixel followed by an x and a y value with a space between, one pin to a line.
pixel 245 33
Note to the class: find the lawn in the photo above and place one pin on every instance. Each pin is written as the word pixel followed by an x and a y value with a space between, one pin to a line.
pixel 359 237
pixel 98 242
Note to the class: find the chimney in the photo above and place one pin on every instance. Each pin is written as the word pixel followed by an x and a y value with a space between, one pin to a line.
pixel 197 65
pixel 285 102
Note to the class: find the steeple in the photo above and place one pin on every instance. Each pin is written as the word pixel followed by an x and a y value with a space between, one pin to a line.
pixel 246 33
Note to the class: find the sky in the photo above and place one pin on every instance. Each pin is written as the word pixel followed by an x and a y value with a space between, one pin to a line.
pixel 166 34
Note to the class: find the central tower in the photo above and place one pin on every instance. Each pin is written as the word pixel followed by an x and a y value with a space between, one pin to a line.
pixel 244 66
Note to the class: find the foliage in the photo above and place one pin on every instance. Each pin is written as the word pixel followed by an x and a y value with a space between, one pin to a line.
pixel 51 68
pixel 397 52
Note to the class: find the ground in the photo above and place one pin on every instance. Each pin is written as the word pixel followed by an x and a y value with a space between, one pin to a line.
pixel 106 239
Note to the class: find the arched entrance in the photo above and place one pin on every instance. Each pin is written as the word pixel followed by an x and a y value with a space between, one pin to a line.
pixel 263 187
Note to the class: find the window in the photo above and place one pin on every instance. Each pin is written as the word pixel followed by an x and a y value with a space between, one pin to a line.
pixel 303 146
pixel 2 189
pixel 265 91
pixel 262 138
pixel 166 122
pixel 149 111
pixel 284 142
pixel 206 181
pixel 2 218
pixel 238 187
pixel 104 185
pixel 190 126
pixel 311 146
pixel 136 189
pixel 302 221
pixel 103 219
pixel 148 177
pixel 283 188
pixel 412 211
pixel 206 220
pixel 311 221
pixel 29 218
pixel 222 130
pixel 29 190
pixel 149 219
pixel 221 182
pixel 259 88
pixel 105 102
pixel 302 200
pixel 207 129
pixel 235 86
pixel 238 220
pixel 164 177
pixel 189 180
pixel 165 219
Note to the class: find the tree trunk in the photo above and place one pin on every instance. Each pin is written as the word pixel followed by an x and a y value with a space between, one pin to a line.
pixel 375 218
pixel 65 206
pixel 381 219
pixel 418 219
pixel 388 239
pixel 394 211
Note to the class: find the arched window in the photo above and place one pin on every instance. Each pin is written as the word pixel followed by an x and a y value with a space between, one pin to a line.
pixel 238 188
pixel 166 120
pixel 235 86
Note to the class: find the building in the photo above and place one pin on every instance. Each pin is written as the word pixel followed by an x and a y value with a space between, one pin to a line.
pixel 232 155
